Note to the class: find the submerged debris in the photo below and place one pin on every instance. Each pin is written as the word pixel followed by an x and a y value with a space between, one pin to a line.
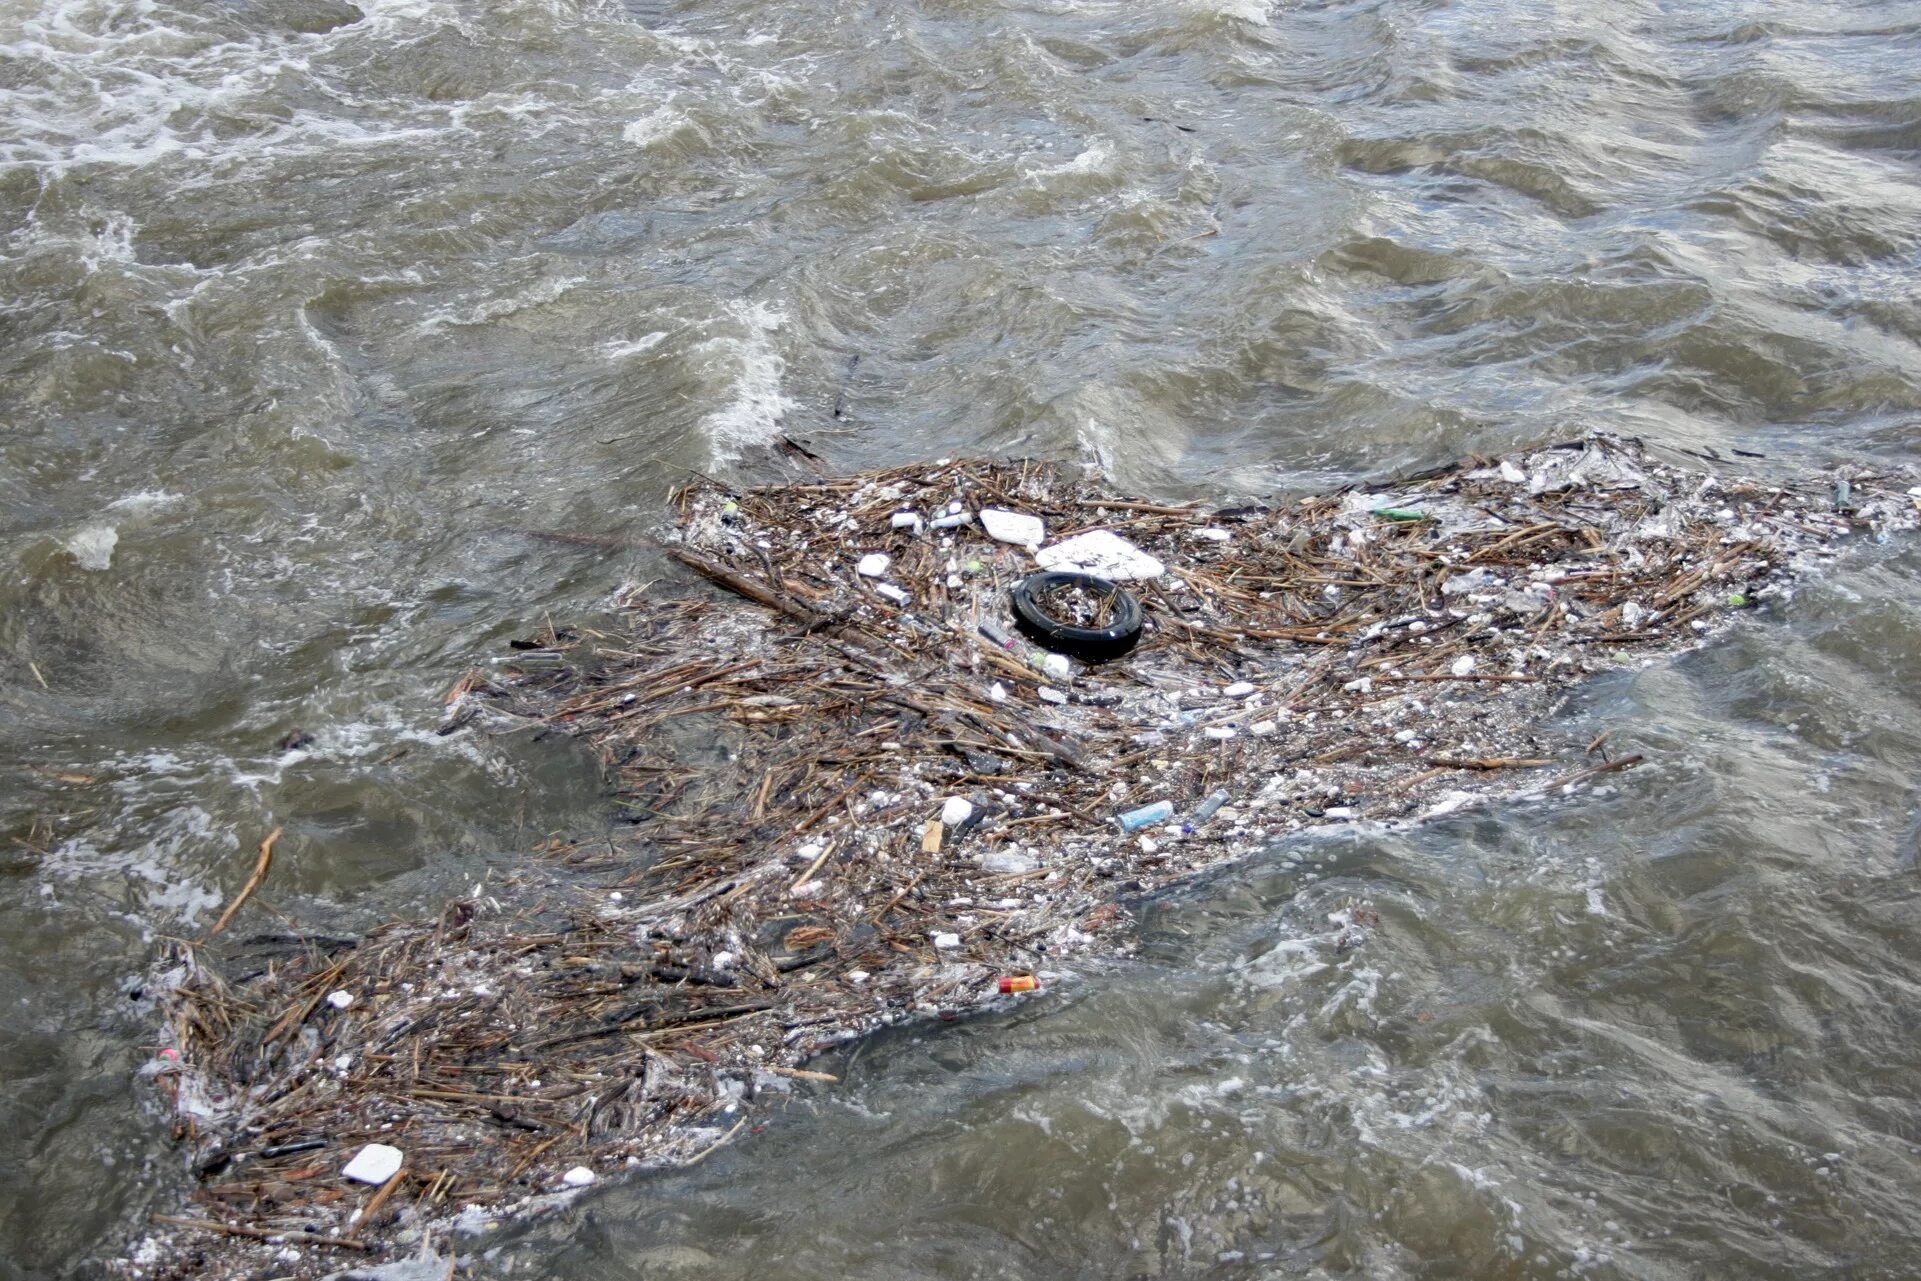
pixel 863 798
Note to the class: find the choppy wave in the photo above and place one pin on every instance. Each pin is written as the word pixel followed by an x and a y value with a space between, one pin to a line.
pixel 750 362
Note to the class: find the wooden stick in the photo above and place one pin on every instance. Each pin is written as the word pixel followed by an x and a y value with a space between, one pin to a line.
pixel 260 1234
pixel 813 867
pixel 802 1074
pixel 1490 762
pixel 1626 762
pixel 1152 509
pixel 253 882
pixel 894 902
pixel 380 1197
pixel 719 1143
pixel 712 570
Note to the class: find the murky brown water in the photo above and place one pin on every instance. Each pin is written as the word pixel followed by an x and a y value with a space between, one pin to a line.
pixel 310 309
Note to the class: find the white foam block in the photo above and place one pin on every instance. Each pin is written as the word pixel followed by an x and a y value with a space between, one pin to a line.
pixel 1100 552
pixel 1013 527
pixel 375 1163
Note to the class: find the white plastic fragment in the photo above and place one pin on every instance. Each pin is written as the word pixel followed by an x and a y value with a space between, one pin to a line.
pixel 1007 863
pixel 1589 468
pixel 947 942
pixel 1100 552
pixel 1359 685
pixel 905 520
pixel 340 1000
pixel 578 1177
pixel 956 810
pixel 1017 528
pixel 1213 534
pixel 1048 694
pixel 896 594
pixel 1219 733
pixel 1059 666
pixel 873 564
pixel 375 1163
pixel 1239 689
pixel 1463 665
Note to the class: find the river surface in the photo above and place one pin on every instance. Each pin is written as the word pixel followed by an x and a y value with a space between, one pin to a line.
pixel 311 311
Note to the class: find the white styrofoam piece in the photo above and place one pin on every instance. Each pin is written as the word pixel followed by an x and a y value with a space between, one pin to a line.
pixel 1017 528
pixel 1100 552
pixel 375 1163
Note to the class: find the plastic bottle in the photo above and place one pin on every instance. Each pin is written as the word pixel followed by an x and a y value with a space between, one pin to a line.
pixel 1146 816
pixel 997 634
pixel 1205 810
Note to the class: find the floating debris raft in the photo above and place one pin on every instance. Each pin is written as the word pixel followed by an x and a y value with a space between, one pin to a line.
pixel 853 794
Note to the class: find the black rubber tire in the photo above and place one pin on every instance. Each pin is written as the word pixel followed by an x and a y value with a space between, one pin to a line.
pixel 1089 644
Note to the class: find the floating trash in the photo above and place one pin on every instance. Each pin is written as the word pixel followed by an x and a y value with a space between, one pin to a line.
pixel 797 762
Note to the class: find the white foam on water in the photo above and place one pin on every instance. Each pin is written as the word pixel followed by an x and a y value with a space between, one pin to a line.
pixel 660 124
pixel 1096 157
pixel 112 84
pixel 156 863
pixel 1257 12
pixel 93 546
pixel 754 367
pixel 1475 1178
pixel 1359 993
pixel 371 740
pixel 1287 961
pixel 1098 442
pixel 1034 1117
pixel 539 295
pixel 109 243
pixel 617 350
pixel 144 500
